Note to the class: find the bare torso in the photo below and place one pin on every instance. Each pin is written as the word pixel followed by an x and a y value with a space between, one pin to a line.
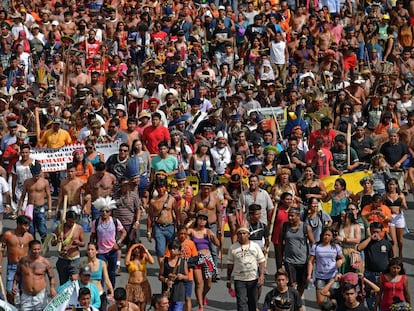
pixel 72 188
pixel 33 274
pixel 100 187
pixel 160 214
pixel 17 245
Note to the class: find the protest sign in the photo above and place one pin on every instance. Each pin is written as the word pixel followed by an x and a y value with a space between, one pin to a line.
pixel 54 160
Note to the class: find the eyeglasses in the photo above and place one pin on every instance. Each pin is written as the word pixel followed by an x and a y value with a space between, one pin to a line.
pixel 106 211
pixel 123 150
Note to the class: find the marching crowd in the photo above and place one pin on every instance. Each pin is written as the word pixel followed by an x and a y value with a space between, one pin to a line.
pixel 222 111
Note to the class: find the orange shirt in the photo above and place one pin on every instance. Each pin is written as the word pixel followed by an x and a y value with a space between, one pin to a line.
pixel 376 218
pixel 84 172
pixel 188 249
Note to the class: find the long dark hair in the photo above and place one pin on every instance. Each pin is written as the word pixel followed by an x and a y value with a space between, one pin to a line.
pixel 183 151
pixel 395 262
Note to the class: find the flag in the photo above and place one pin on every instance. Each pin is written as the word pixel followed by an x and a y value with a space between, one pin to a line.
pixel 68 296
pixel 6 306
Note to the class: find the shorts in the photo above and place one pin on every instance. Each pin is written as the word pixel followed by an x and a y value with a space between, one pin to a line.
pixel 297 274
pixel 11 271
pixel 206 264
pixel 320 283
pixel 139 292
pixel 188 289
pixel 33 303
pixel 398 220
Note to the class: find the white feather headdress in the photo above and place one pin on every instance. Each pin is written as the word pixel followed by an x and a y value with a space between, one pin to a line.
pixel 106 202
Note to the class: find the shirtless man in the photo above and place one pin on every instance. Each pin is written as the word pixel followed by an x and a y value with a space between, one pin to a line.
pixel 78 77
pixel 68 27
pixel 17 243
pixel 209 203
pixel 131 131
pixel 72 186
pixel 31 274
pixel 100 184
pixel 162 216
pixel 111 22
pixel 121 302
pixel 325 38
pixel 38 189
pixel 69 237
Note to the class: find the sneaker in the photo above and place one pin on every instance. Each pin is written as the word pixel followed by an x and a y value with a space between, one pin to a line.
pixel 205 301
pixel 118 270
pixel 218 277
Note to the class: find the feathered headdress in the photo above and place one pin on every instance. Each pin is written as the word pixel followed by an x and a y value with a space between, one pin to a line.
pixel 107 202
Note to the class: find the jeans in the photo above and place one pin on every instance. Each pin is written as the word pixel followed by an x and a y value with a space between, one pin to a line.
pixel 95 212
pixel 176 306
pixel 11 271
pixel 370 298
pixel 162 235
pixel 39 222
pixel 246 295
pixel 213 248
pixel 110 258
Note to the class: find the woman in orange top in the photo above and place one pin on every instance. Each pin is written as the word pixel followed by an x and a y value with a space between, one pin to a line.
pixel 83 169
pixel 235 172
pixel 386 122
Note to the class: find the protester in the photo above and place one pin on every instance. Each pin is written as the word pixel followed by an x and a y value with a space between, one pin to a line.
pixel 241 255
pixel 31 274
pixel 16 241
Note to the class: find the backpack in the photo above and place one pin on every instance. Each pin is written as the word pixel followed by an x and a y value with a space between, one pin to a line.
pixel 115 221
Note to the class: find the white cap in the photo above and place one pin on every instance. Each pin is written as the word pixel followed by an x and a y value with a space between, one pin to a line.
pixel 55 23
pixel 120 107
pixel 221 7
pixel 208 14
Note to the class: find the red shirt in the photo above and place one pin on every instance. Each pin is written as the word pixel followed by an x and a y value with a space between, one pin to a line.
pixel 322 163
pixel 281 218
pixel 152 136
pixel 10 151
pixel 328 140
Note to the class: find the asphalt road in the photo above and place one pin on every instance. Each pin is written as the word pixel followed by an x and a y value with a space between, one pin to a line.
pixel 218 297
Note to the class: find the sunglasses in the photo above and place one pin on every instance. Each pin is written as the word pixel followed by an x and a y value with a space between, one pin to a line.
pixel 123 150
pixel 106 211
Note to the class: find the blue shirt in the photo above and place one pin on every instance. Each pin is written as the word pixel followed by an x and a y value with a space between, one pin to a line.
pixel 95 297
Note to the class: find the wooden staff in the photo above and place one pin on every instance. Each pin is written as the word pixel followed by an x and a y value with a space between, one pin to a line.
pixel 348 142
pixel 37 123
pixel 62 221
pixel 272 224
pixel 3 290
pixel 167 293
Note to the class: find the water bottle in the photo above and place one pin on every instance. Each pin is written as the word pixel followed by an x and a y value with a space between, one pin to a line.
pixel 310 284
pixel 85 223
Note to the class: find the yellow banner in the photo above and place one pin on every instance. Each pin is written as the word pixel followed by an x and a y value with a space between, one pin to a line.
pixel 352 184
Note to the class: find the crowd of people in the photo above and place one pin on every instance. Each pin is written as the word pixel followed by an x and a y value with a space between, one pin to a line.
pixel 222 112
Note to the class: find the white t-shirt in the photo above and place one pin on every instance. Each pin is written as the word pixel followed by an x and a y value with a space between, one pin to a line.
pixel 4 187
pixel 22 173
pixel 246 260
